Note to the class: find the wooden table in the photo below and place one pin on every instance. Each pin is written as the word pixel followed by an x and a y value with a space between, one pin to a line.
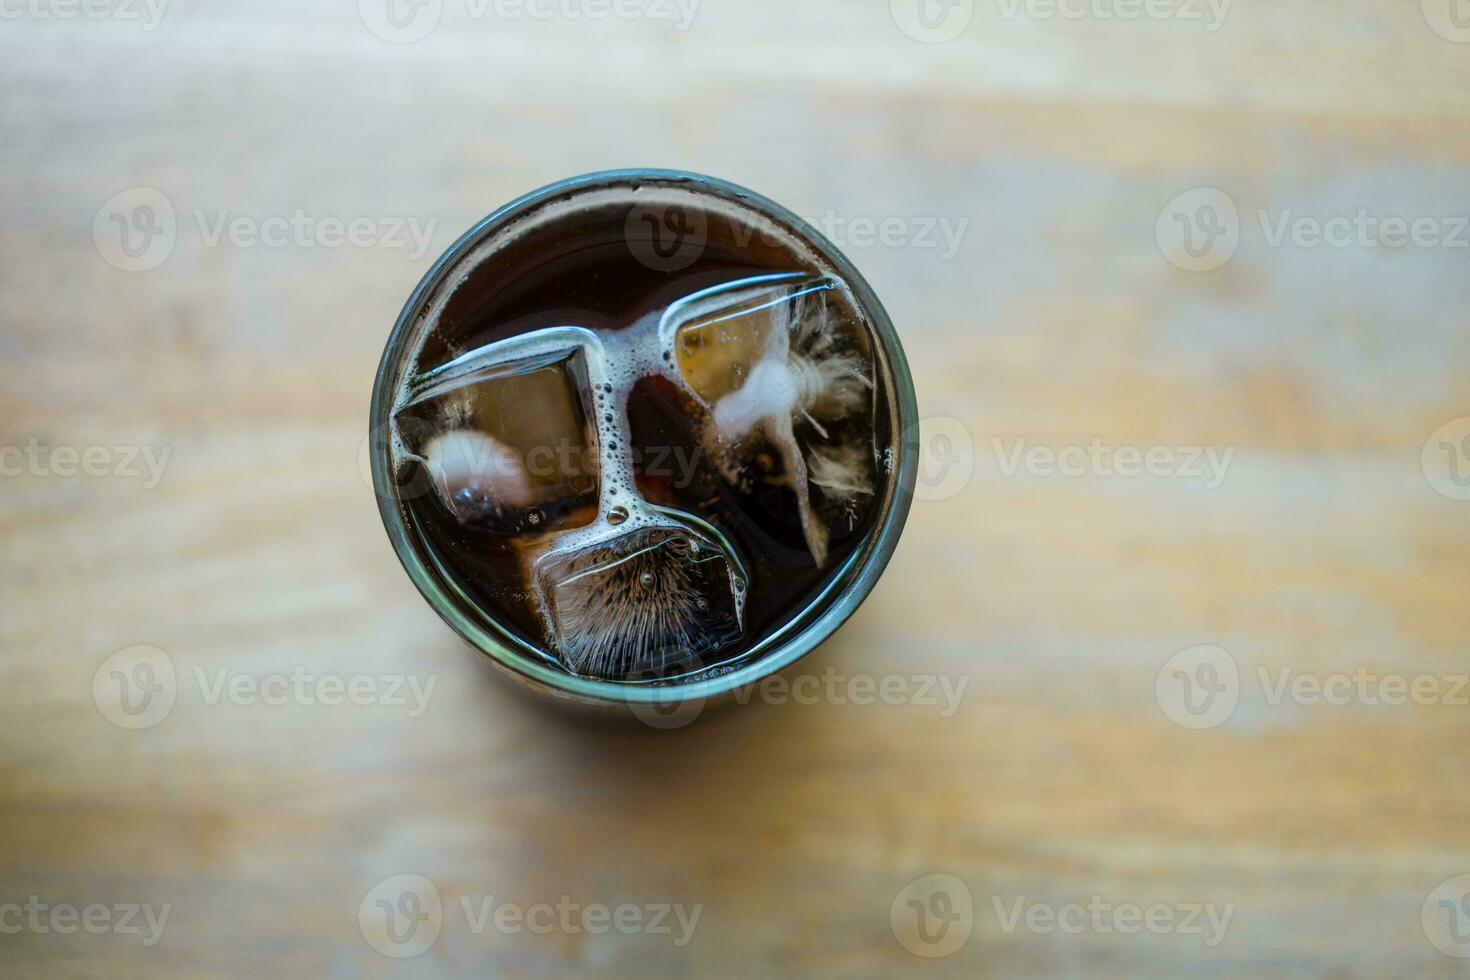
pixel 1060 326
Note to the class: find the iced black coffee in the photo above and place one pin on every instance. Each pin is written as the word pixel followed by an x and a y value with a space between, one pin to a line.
pixel 642 432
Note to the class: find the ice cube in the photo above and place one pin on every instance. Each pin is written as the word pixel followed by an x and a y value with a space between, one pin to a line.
pixel 508 445
pixel 778 370
pixel 720 334
pixel 641 601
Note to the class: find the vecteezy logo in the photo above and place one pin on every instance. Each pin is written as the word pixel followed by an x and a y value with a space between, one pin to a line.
pixel 1199 687
pixel 933 916
pixel 946 458
pixel 668 231
pixel 1446 917
pixel 671 706
pixel 401 916
pixel 1450 19
pixel 932 21
pixel 1199 230
pixel 400 21
pixel 135 230
pixel 135 688
pixel 1446 459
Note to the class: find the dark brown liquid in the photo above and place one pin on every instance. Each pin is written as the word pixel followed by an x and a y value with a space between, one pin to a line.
pixel 589 277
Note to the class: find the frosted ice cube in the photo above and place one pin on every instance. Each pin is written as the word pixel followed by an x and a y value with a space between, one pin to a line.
pixel 508 445
pixel 777 370
pixel 644 601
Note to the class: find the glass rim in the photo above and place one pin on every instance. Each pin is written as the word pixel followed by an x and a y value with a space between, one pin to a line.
pixel 858 584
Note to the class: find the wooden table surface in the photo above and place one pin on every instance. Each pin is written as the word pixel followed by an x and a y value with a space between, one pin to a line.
pixel 1077 777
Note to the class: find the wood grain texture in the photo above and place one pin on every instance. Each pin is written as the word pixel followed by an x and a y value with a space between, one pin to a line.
pixel 1056 321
